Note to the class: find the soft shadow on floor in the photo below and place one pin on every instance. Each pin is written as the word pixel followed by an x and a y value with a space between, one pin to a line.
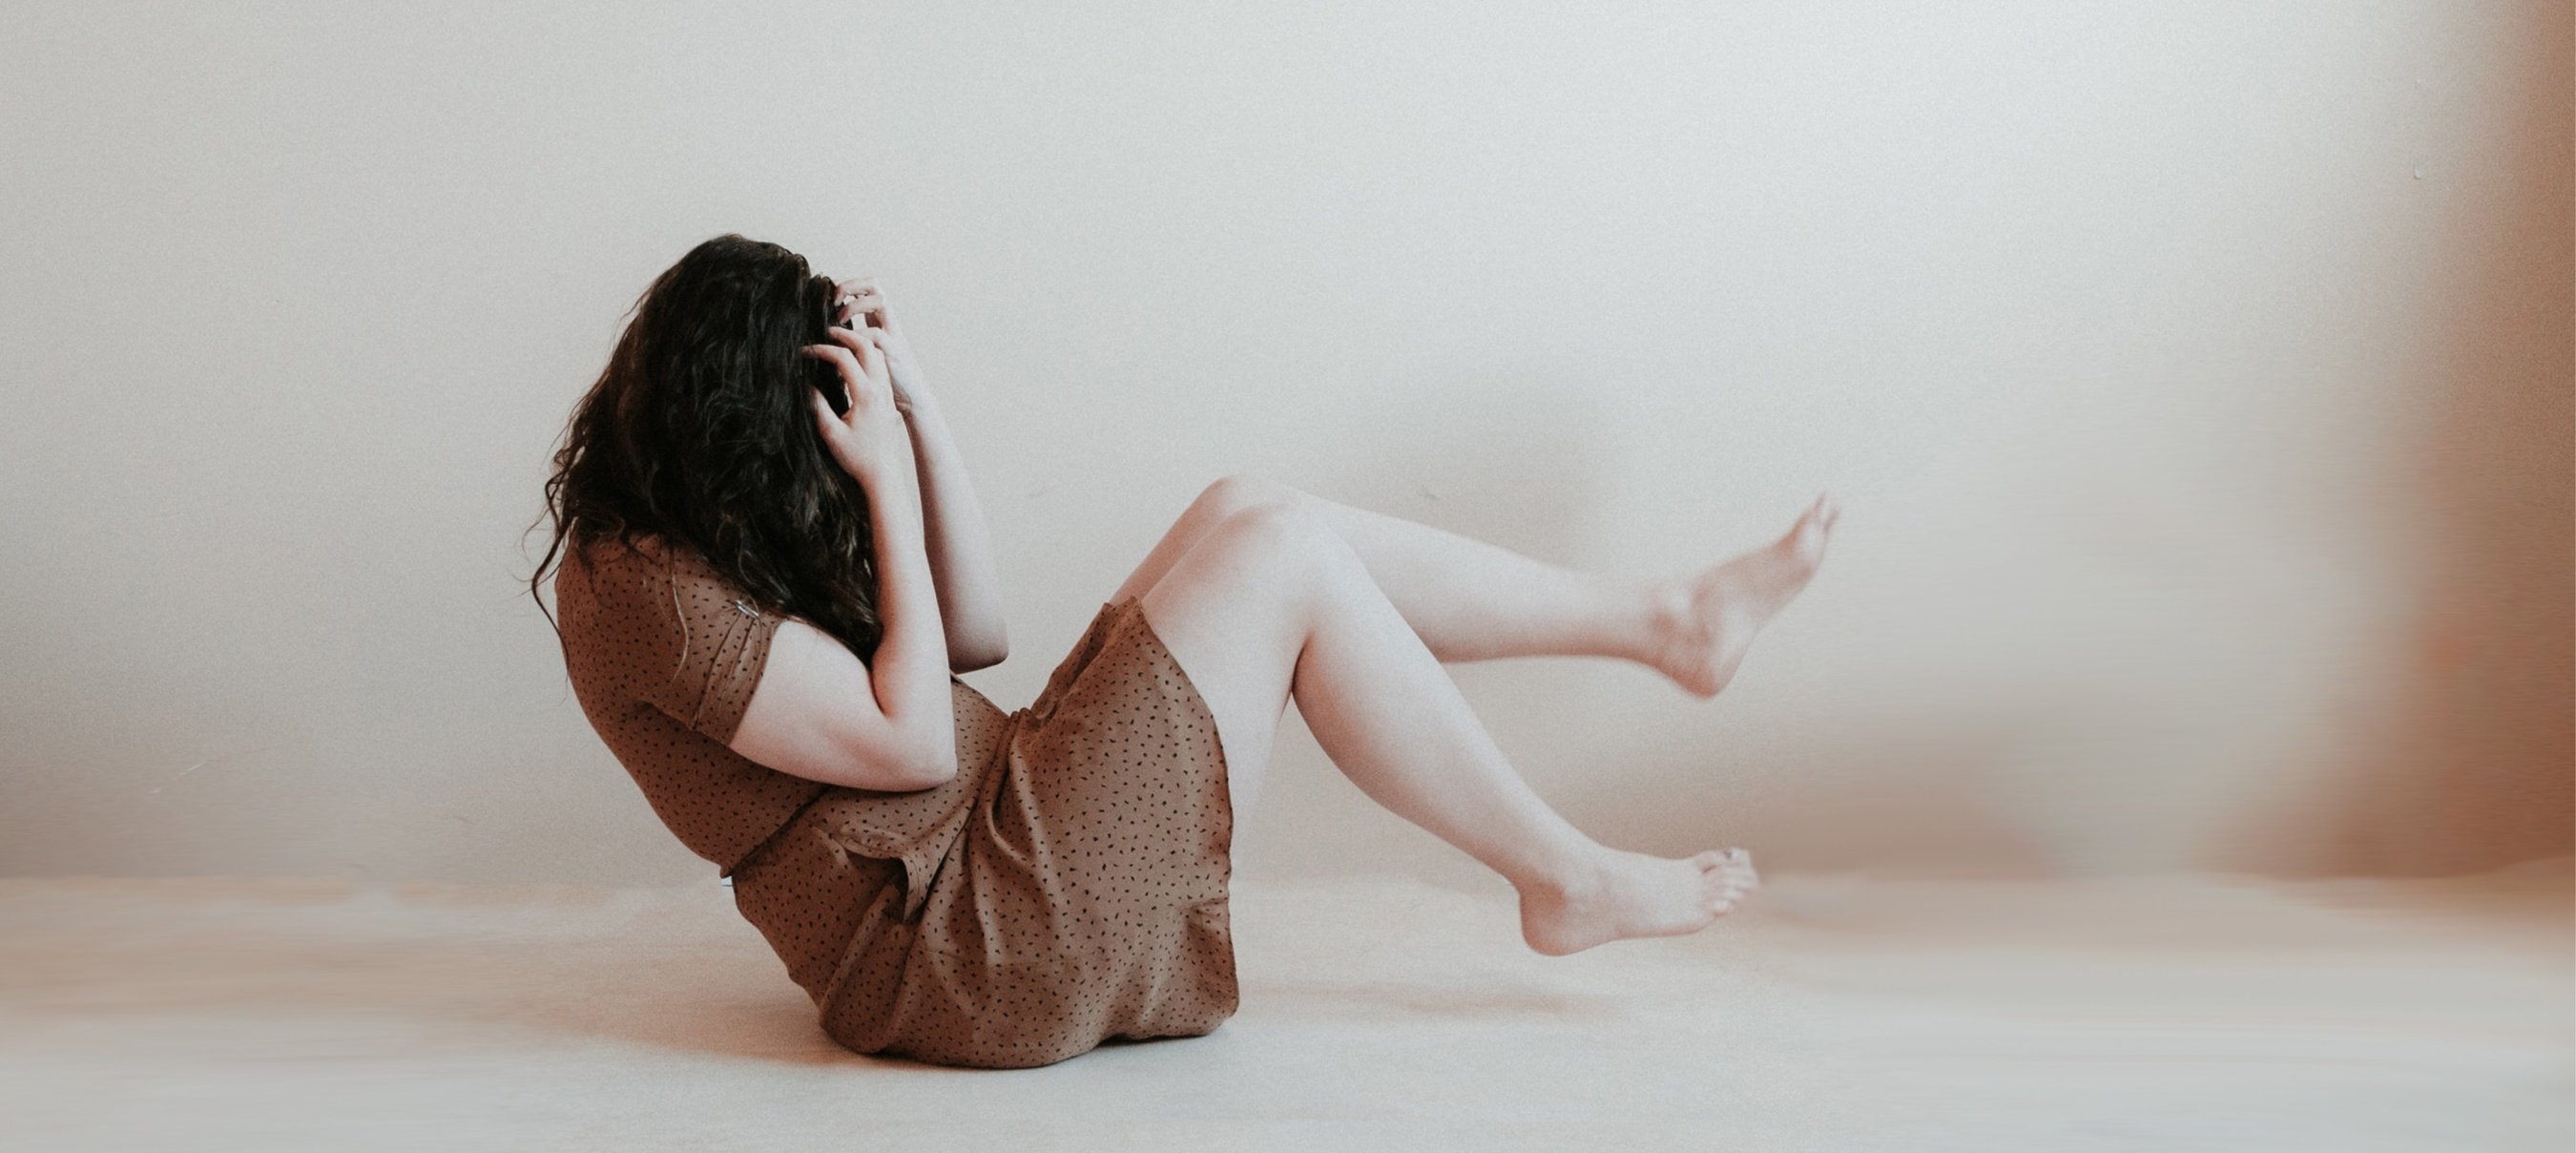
pixel 1837 1012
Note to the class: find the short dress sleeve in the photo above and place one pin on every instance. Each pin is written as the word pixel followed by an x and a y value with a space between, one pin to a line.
pixel 699 645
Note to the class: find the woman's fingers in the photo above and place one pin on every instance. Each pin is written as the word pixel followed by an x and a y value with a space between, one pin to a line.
pixel 840 357
pixel 855 308
pixel 859 344
pixel 867 303
pixel 854 377
pixel 822 408
pixel 863 343
pixel 853 370
pixel 870 358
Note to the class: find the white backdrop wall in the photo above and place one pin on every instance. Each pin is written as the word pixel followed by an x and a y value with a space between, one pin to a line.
pixel 2195 377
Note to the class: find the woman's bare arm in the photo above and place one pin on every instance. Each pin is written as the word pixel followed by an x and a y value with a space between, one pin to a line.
pixel 819 712
pixel 959 545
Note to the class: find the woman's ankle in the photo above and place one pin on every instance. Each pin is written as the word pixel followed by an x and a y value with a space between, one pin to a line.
pixel 1569 870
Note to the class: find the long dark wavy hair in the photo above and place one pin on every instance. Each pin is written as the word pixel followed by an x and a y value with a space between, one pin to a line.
pixel 699 433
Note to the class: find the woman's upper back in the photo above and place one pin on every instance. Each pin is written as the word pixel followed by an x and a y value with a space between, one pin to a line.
pixel 664 654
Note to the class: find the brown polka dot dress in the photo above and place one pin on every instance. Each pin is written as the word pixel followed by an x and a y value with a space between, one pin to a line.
pixel 1067 888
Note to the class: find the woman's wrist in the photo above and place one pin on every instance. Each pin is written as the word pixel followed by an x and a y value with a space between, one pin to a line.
pixel 910 395
pixel 895 478
pixel 901 552
pixel 895 505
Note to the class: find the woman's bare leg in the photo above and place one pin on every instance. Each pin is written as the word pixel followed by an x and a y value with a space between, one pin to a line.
pixel 1469 600
pixel 1271 602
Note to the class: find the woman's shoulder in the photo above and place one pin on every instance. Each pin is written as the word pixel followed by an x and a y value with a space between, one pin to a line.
pixel 613 549
pixel 620 574
pixel 653 554
pixel 662 596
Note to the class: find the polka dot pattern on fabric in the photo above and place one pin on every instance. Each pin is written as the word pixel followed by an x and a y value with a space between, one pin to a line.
pixel 1067 888
pixel 664 655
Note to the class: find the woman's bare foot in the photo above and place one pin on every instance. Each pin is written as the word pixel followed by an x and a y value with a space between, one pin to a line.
pixel 1711 615
pixel 1623 894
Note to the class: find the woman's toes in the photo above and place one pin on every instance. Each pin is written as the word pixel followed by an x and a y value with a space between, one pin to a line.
pixel 1735 878
pixel 1810 534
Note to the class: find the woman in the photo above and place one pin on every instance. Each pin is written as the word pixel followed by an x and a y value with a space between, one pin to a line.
pixel 772 573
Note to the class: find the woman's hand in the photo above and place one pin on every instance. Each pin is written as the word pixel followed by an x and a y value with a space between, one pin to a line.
pixel 870 441
pixel 865 304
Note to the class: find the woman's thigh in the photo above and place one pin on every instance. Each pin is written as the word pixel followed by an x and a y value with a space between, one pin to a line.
pixel 1234 610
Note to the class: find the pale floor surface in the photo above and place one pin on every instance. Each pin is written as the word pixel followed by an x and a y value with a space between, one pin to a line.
pixel 1838 1013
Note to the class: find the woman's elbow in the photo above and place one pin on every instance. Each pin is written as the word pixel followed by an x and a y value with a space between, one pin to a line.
pixel 933 766
pixel 982 655
pixel 887 770
pixel 932 774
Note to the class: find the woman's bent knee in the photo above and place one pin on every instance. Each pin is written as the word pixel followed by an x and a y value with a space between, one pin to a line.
pixel 1287 547
pixel 1236 493
pixel 1277 554
pixel 1284 532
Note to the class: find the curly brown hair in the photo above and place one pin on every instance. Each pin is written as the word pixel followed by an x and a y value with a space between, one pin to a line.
pixel 698 433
